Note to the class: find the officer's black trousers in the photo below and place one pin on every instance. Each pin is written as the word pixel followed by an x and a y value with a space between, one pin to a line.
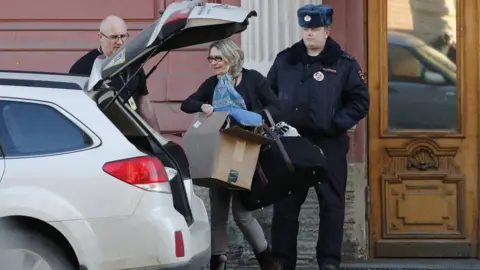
pixel 331 197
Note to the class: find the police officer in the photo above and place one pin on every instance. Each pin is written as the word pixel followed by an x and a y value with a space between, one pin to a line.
pixel 323 94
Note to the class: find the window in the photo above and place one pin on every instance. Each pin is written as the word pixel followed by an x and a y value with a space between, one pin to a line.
pixel 28 129
pixel 403 65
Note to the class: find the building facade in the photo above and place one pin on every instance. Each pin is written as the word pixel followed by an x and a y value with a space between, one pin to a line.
pixel 413 167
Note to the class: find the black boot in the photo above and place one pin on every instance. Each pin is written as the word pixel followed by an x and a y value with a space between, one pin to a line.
pixel 218 262
pixel 266 261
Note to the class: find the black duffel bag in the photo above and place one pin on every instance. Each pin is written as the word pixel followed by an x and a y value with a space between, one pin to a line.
pixel 285 165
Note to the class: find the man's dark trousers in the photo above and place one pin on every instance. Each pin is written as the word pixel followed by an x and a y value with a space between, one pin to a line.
pixel 331 197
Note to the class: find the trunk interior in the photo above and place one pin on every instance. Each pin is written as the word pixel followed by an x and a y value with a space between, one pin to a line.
pixel 170 153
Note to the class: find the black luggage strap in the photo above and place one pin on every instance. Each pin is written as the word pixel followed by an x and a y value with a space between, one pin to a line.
pixel 269 117
pixel 261 174
pixel 278 141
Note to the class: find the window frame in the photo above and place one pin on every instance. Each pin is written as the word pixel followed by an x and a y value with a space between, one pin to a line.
pixel 96 142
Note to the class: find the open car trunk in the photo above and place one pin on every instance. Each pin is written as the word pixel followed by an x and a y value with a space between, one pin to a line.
pixel 184 23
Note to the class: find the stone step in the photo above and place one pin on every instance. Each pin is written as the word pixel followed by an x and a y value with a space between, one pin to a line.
pixel 413 264
pixel 401 264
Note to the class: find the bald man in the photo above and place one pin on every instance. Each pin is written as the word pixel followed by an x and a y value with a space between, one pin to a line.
pixel 112 35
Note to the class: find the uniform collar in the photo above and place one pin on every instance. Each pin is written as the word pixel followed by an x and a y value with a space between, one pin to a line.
pixel 330 54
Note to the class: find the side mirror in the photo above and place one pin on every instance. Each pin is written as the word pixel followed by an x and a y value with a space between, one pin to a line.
pixel 433 77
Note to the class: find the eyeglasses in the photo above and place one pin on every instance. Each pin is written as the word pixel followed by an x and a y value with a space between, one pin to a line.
pixel 214 58
pixel 116 37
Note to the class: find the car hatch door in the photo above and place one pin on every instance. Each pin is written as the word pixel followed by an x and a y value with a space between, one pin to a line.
pixel 183 24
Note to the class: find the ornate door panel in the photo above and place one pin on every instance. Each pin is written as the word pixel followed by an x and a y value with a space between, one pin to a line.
pixel 423 127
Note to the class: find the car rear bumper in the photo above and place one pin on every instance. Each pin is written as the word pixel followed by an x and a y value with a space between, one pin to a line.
pixel 145 240
pixel 197 262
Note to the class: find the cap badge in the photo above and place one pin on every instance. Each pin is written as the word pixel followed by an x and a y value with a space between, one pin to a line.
pixel 307 18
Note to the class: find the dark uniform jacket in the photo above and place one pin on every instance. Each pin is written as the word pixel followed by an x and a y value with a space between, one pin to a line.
pixel 322 96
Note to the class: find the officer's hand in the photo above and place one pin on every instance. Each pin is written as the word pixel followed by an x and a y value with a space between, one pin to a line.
pixel 207 109
pixel 353 128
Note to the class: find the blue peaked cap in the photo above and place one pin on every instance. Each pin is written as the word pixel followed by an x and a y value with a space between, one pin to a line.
pixel 313 16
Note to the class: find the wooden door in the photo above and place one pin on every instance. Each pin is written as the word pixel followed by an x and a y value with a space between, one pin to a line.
pixel 423 127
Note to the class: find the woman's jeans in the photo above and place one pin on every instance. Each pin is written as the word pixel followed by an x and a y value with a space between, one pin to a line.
pixel 220 199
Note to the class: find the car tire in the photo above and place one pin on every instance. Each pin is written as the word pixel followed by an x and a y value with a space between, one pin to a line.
pixel 36 246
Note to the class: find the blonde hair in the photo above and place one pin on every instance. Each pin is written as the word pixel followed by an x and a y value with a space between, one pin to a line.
pixel 231 53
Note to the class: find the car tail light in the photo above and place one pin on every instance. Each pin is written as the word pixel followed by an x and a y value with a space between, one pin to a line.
pixel 179 246
pixel 145 172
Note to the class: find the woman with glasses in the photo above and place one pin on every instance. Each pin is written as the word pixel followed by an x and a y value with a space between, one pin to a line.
pixel 241 88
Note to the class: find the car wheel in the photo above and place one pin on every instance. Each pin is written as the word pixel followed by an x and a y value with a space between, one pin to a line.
pixel 27 250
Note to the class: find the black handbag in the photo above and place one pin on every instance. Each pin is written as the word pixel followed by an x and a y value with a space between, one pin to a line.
pixel 285 165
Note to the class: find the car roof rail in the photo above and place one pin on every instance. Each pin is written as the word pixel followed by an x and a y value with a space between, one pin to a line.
pixel 42 73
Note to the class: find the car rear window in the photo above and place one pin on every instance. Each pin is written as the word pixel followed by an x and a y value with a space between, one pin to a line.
pixel 29 129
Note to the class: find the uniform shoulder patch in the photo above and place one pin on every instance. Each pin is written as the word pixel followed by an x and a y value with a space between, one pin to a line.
pixel 347 56
pixel 361 75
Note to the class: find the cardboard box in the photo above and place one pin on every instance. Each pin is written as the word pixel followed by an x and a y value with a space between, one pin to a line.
pixel 227 157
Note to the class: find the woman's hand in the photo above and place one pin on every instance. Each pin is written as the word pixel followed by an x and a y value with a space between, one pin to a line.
pixel 207 109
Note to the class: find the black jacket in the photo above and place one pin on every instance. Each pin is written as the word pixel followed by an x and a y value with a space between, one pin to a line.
pixel 258 94
pixel 322 96
pixel 136 87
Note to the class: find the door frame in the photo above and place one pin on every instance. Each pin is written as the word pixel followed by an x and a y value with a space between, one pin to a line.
pixel 376 55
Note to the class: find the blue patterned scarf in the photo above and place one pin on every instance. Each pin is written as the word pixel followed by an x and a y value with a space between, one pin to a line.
pixel 225 96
